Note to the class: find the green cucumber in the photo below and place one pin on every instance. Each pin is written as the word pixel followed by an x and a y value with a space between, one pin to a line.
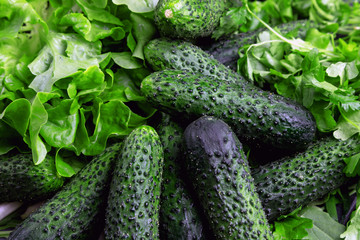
pixel 22 180
pixel 164 53
pixel 219 170
pixel 188 19
pixel 226 50
pixel 295 181
pixel 77 211
pixel 133 202
pixel 255 115
pixel 179 217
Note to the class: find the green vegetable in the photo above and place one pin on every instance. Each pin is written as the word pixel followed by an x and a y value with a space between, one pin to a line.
pixel 188 19
pixel 255 115
pixel 226 49
pixel 295 181
pixel 219 170
pixel 179 216
pixel 21 180
pixel 134 198
pixel 325 228
pixel 77 211
pixel 65 75
pixel 164 53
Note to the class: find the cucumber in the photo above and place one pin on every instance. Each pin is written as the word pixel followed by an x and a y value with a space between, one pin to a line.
pixel 219 170
pixel 179 217
pixel 188 19
pixel 226 50
pixel 163 53
pixel 255 115
pixel 295 181
pixel 77 211
pixel 133 202
pixel 22 180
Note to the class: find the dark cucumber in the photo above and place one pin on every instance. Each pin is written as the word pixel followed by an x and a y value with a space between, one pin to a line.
pixel 255 115
pixel 179 217
pixel 188 19
pixel 164 54
pixel 77 211
pixel 219 170
pixel 295 181
pixel 226 50
pixel 22 180
pixel 133 202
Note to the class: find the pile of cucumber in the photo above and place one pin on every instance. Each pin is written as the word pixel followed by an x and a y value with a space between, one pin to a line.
pixel 186 174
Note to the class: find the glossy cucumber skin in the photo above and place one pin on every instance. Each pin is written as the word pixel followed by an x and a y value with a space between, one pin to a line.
pixel 226 50
pixel 134 198
pixel 22 180
pixel 179 217
pixel 188 19
pixel 219 171
pixel 295 181
pixel 77 211
pixel 256 116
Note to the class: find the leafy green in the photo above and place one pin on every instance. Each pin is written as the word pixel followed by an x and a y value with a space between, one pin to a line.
pixel 324 227
pixel 291 226
pixel 353 227
pixel 321 72
pixel 65 76
pixel 138 6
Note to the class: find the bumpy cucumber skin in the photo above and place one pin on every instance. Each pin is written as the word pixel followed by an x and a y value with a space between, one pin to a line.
pixel 255 115
pixel 179 218
pixel 164 53
pixel 77 211
pixel 220 173
pixel 295 181
pixel 133 202
pixel 226 50
pixel 22 180
pixel 188 19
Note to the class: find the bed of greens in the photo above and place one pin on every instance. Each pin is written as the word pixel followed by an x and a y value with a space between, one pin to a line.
pixel 70 72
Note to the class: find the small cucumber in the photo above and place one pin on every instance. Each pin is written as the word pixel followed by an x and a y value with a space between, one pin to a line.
pixel 22 180
pixel 219 170
pixel 188 19
pixel 179 217
pixel 133 202
pixel 256 116
pixel 77 211
pixel 295 181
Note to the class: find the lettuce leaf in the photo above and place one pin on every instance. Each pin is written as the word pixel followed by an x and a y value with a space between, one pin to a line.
pixel 65 76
